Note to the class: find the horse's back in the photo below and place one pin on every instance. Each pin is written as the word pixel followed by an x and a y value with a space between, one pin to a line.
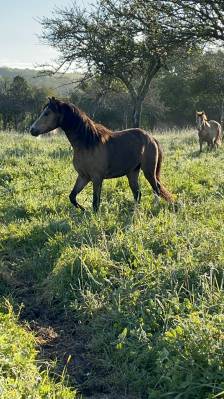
pixel 214 124
pixel 131 133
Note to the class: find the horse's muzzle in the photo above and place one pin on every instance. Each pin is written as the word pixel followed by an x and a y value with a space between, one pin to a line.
pixel 34 131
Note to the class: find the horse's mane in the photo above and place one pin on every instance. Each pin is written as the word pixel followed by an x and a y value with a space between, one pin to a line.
pixel 203 115
pixel 87 132
pixel 90 132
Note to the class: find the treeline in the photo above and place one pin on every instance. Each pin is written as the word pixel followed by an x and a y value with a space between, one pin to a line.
pixel 193 83
pixel 20 103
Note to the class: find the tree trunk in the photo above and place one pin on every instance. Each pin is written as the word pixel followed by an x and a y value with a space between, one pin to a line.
pixel 136 114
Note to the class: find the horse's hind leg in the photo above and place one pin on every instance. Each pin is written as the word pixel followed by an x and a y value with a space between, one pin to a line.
pixel 133 183
pixel 80 183
pixel 153 182
pixel 148 165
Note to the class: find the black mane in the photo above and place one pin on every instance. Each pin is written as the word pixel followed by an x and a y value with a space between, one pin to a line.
pixel 78 125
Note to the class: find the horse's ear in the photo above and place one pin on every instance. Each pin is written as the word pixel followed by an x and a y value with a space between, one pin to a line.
pixel 52 99
pixel 54 103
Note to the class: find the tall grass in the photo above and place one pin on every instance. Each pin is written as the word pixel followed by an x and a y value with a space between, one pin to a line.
pixel 143 285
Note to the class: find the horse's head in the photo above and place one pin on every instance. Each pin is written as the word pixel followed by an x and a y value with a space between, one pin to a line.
pixel 49 118
pixel 201 118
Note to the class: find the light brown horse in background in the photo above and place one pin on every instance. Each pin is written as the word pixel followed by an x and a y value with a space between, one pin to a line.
pixel 208 131
pixel 101 154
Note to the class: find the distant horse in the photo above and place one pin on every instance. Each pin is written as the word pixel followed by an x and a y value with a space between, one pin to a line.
pixel 208 131
pixel 101 154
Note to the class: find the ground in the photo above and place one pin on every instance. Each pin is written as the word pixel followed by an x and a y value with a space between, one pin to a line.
pixel 127 303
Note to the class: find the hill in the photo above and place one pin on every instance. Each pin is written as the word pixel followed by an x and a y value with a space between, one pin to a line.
pixel 61 83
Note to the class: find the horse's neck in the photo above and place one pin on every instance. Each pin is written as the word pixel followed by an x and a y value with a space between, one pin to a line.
pixel 204 124
pixel 71 136
pixel 71 128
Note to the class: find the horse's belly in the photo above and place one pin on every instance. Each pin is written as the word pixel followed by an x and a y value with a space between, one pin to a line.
pixel 121 164
pixel 123 155
pixel 113 174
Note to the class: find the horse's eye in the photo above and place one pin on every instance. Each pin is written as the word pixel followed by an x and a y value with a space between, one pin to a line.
pixel 46 113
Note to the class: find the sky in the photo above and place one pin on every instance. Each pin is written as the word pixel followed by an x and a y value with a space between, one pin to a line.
pixel 19 45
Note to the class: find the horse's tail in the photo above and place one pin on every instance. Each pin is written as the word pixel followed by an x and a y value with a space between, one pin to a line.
pixel 218 137
pixel 163 191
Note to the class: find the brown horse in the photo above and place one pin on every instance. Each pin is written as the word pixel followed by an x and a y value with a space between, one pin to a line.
pixel 101 154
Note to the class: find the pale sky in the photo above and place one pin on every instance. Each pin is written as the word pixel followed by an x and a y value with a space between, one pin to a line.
pixel 19 44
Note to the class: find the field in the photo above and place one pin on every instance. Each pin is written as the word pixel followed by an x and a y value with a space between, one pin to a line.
pixel 128 303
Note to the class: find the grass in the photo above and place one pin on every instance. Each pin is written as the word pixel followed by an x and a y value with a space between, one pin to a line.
pixel 140 287
pixel 20 376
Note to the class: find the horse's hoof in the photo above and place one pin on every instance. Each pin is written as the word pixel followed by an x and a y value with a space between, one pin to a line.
pixel 80 207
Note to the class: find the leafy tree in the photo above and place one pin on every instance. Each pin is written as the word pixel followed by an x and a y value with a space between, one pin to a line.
pixel 5 104
pixel 19 102
pixel 20 96
pixel 194 84
pixel 123 40
pixel 202 18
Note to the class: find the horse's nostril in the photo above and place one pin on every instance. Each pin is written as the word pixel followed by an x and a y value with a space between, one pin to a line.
pixel 33 131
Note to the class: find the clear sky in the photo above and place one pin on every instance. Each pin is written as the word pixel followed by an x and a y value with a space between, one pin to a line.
pixel 19 44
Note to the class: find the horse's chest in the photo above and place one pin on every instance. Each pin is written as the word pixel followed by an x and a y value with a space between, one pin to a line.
pixel 79 165
pixel 204 135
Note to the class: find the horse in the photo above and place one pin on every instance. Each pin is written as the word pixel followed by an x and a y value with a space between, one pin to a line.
pixel 100 153
pixel 208 131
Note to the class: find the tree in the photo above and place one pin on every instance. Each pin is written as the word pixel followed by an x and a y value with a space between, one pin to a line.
pixel 19 102
pixel 20 96
pixel 5 104
pixel 196 83
pixel 202 18
pixel 123 40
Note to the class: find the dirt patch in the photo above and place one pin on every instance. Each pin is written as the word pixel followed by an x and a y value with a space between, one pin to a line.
pixel 60 342
pixel 63 344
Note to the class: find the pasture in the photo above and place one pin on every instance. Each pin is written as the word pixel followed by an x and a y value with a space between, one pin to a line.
pixel 130 300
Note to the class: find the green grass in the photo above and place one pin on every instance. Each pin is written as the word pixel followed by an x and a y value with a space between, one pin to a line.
pixel 20 376
pixel 142 286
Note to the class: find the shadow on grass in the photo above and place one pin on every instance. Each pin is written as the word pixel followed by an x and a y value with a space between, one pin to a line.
pixel 11 213
pixel 25 264
pixel 61 333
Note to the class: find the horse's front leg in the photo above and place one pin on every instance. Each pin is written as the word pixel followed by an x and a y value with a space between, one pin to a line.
pixel 97 186
pixel 80 183
pixel 200 144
